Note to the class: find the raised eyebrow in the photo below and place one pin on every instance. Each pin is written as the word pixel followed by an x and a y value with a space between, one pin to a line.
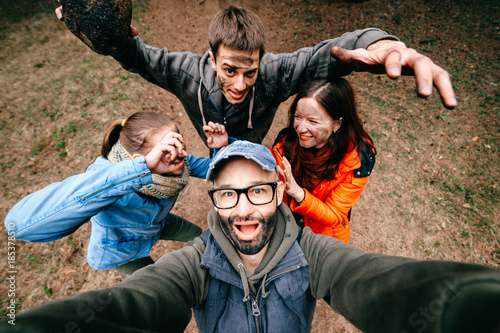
pixel 234 68
pixel 237 60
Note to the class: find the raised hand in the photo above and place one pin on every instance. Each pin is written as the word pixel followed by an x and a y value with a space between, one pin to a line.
pixel 167 156
pixel 291 187
pixel 103 25
pixel 395 59
pixel 216 135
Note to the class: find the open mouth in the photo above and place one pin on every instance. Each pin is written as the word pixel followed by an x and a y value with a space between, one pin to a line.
pixel 305 138
pixel 237 96
pixel 247 231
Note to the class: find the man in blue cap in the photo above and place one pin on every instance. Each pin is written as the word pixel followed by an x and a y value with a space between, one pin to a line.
pixel 254 270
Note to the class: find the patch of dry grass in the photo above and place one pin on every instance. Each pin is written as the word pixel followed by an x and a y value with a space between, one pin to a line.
pixel 434 191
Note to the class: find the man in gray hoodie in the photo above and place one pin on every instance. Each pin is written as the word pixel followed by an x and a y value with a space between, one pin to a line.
pixel 254 270
pixel 238 84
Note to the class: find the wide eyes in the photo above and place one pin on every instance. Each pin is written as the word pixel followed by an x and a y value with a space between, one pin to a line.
pixel 231 72
pixel 250 74
pixel 259 191
pixel 228 194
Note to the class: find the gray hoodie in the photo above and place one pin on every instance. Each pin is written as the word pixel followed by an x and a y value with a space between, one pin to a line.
pixel 190 78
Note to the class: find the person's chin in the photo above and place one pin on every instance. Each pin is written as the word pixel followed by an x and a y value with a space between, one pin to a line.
pixel 305 144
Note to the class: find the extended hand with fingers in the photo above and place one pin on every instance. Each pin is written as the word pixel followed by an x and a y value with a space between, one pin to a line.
pixel 395 59
pixel 291 187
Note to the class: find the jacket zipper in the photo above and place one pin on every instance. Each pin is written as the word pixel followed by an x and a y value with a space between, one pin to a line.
pixel 225 117
pixel 255 304
pixel 114 184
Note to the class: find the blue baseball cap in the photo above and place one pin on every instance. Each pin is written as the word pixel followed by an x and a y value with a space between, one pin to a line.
pixel 249 150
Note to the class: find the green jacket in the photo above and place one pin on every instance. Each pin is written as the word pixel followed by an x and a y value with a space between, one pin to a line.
pixel 375 292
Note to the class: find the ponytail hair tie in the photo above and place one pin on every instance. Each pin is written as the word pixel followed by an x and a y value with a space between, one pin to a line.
pixel 124 121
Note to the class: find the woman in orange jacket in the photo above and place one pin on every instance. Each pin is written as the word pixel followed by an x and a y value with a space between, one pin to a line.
pixel 325 155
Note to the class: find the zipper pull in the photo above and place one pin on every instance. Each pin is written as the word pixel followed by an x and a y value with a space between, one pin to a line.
pixel 255 309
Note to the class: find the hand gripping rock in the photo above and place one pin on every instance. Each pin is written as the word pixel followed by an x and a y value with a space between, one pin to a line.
pixel 103 25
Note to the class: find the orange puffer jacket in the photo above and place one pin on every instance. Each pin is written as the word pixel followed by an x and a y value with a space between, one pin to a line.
pixel 326 209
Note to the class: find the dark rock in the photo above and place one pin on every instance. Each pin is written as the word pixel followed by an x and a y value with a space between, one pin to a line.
pixel 103 25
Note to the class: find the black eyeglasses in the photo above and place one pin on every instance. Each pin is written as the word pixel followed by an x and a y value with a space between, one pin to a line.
pixel 259 194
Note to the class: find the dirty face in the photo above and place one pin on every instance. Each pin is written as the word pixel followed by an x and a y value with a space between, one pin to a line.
pixel 236 72
pixel 249 227
pixel 313 124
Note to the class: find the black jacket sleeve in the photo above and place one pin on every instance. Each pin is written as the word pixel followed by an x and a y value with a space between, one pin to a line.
pixel 157 298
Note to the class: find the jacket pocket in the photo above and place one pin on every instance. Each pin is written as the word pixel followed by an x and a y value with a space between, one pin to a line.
pixel 293 284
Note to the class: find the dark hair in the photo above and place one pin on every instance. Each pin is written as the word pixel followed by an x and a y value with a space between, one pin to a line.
pixel 237 28
pixel 336 96
pixel 135 131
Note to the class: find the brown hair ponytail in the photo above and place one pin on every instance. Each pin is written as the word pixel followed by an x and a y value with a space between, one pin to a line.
pixel 135 132
pixel 111 136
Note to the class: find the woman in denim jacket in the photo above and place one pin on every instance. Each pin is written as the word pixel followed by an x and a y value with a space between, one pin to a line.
pixel 127 194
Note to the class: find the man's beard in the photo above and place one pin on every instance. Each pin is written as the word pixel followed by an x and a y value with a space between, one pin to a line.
pixel 255 245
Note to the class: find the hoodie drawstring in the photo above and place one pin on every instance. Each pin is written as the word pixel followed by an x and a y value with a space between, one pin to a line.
pixel 263 286
pixel 200 104
pixel 250 109
pixel 244 281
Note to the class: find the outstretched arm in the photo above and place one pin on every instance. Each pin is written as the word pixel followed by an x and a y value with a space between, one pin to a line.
pixel 395 59
pixel 157 298
pixel 133 32
pixel 61 208
pixel 380 293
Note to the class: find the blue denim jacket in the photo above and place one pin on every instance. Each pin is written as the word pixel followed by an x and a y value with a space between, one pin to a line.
pixel 283 293
pixel 125 225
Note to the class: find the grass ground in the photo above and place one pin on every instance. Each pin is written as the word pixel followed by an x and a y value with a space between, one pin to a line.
pixel 434 192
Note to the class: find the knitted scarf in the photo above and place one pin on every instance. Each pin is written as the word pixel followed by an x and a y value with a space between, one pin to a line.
pixel 163 186
pixel 309 165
